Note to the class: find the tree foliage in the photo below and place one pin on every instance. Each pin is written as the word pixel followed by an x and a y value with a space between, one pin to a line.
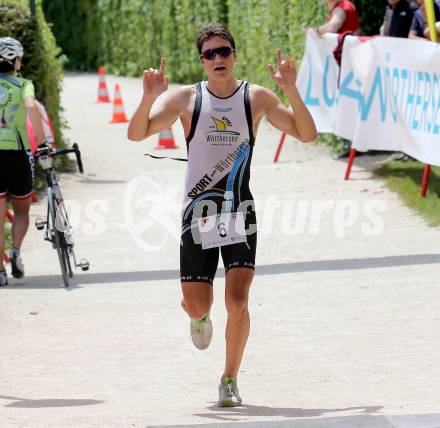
pixel 371 14
pixel 134 34
pixel 261 26
pixel 75 25
pixel 131 35
pixel 40 61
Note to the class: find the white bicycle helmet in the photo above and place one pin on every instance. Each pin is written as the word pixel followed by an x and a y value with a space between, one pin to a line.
pixel 10 49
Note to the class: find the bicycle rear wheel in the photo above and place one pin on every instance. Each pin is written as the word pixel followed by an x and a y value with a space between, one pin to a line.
pixel 57 236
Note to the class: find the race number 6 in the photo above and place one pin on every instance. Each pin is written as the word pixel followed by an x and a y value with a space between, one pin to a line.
pixel 222 229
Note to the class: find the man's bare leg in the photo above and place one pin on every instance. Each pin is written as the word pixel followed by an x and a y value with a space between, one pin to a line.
pixel 197 299
pixel 20 224
pixel 2 231
pixel 238 282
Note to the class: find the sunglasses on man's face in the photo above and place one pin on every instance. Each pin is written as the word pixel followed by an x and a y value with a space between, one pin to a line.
pixel 210 54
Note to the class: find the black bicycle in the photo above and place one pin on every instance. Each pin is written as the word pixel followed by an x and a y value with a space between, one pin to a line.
pixel 57 227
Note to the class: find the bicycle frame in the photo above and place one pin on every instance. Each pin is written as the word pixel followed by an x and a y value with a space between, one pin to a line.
pixel 58 230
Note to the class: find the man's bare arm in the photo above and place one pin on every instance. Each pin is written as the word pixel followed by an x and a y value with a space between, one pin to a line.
pixel 299 122
pixel 413 35
pixel 335 23
pixel 144 123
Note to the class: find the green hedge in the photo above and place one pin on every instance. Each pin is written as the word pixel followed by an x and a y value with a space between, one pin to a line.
pixel 75 25
pixel 40 60
pixel 259 27
pixel 134 34
pixel 371 14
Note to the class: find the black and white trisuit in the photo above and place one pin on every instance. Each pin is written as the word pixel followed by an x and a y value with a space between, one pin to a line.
pixel 220 146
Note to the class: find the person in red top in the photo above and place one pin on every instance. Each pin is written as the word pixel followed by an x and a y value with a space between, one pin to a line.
pixel 343 17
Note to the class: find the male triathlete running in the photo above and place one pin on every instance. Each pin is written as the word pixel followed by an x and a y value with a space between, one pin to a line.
pixel 220 118
pixel 16 163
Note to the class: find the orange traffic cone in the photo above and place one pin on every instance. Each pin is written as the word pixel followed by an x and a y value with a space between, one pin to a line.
pixel 166 140
pixel 102 88
pixel 118 107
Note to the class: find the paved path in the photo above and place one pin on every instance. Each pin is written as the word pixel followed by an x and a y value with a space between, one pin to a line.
pixel 344 319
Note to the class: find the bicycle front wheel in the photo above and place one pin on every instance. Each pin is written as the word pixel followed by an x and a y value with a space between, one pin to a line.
pixel 67 254
pixel 63 226
pixel 56 236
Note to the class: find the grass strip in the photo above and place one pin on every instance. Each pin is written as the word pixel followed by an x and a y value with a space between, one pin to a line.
pixel 405 178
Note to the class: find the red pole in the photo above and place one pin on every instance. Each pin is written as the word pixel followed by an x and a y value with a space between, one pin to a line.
pixel 9 215
pixel 350 163
pixel 425 180
pixel 280 146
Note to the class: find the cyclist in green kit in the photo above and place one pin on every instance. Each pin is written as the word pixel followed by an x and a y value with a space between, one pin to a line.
pixel 16 162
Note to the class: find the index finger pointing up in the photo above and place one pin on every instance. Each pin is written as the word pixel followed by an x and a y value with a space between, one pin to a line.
pixel 279 57
pixel 162 66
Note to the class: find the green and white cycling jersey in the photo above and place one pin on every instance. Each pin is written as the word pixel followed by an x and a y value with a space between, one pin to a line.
pixel 13 91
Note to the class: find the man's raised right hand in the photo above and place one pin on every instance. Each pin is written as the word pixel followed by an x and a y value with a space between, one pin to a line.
pixel 155 81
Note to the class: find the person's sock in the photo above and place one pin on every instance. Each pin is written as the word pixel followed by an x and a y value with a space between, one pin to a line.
pixel 15 252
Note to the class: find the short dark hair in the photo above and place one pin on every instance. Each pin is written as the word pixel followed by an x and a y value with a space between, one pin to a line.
pixel 213 30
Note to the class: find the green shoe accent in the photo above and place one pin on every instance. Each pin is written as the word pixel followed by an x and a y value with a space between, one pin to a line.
pixel 229 395
pixel 199 322
pixel 201 332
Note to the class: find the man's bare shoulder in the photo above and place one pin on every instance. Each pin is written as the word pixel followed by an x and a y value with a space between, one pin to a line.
pixel 183 92
pixel 182 96
pixel 263 96
pixel 260 91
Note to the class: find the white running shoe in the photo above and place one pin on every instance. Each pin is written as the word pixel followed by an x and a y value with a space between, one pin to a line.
pixel 228 393
pixel 3 279
pixel 17 265
pixel 201 332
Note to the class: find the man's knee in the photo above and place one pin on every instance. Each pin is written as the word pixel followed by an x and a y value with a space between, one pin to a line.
pixel 196 309
pixel 236 304
pixel 21 210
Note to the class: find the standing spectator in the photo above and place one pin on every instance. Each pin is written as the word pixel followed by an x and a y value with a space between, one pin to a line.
pixel 414 4
pixel 398 19
pixel 419 28
pixel 342 17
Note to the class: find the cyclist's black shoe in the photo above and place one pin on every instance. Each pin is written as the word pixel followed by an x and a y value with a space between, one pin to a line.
pixel 17 265
pixel 3 279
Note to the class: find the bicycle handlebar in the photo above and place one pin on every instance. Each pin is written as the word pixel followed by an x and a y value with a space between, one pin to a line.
pixel 56 152
pixel 78 158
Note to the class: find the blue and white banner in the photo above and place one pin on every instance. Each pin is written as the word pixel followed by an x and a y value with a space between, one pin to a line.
pixel 317 79
pixel 388 96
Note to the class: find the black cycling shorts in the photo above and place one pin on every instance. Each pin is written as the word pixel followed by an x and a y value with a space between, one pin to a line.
pixel 16 174
pixel 198 265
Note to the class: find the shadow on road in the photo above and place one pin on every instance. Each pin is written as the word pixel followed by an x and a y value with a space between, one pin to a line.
pixel 24 403
pixel 308 418
pixel 231 413
pixel 54 281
